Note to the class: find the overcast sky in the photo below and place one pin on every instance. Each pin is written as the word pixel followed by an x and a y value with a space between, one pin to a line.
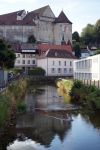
pixel 79 12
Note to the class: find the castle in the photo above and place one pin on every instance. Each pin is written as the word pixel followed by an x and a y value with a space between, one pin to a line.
pixel 41 23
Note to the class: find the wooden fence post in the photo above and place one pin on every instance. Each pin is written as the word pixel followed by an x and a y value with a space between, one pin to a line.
pixel 94 83
pixel 98 83
pixel 87 82
pixel 90 82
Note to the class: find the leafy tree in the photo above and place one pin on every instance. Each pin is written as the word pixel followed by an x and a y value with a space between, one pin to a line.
pixel 31 39
pixel 7 56
pixel 88 34
pixel 97 31
pixel 77 50
pixel 75 36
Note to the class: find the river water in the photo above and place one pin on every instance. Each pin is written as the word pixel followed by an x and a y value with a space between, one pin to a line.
pixel 43 130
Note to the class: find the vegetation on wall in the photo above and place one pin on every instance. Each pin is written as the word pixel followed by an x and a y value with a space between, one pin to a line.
pixel 31 39
pixel 38 71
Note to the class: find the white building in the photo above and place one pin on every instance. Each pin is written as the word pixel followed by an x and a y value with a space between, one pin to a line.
pixel 87 68
pixel 57 62
pixel 25 56
pixel 41 23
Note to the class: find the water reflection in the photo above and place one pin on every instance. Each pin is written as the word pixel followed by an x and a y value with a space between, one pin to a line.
pixel 25 145
pixel 36 130
pixel 42 128
pixel 44 133
pixel 65 96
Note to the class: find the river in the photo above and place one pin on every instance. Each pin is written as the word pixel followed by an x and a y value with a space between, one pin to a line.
pixel 43 130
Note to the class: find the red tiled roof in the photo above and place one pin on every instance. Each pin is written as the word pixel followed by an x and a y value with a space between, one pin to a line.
pixel 56 53
pixel 45 47
pixel 62 18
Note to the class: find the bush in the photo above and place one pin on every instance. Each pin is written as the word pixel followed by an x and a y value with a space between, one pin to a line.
pixel 16 71
pixel 4 108
pixel 21 107
pixel 36 72
pixel 77 84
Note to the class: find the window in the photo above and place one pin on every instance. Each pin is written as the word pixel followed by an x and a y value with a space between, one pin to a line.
pixel 65 70
pixel 59 70
pixel 33 61
pixel 64 63
pixel 23 55
pixel 70 63
pixel 23 62
pixel 59 63
pixel 53 70
pixel 28 62
pixel 70 70
pixel 18 61
pixel 53 63
pixel 18 55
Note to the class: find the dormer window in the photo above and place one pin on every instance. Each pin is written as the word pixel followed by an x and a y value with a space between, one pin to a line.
pixel 21 15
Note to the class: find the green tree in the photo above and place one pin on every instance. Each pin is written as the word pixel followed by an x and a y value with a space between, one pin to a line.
pixel 77 50
pixel 31 39
pixel 88 34
pixel 7 56
pixel 97 31
pixel 75 36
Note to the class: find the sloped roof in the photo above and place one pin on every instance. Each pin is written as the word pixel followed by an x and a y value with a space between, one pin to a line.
pixel 62 18
pixel 40 11
pixel 45 47
pixel 27 46
pixel 56 53
pixel 11 19
pixel 18 47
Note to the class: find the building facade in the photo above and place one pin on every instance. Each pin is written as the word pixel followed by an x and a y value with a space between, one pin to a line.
pixel 87 68
pixel 57 62
pixel 42 23
pixel 25 56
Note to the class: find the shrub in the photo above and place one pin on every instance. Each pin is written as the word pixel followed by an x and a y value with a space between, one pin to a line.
pixel 37 71
pixel 21 107
pixel 77 84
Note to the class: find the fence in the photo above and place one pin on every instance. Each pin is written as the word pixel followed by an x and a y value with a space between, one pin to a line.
pixel 91 82
pixel 3 85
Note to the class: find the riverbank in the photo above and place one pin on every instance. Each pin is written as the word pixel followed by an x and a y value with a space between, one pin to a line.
pixel 45 79
pixel 10 100
pixel 81 94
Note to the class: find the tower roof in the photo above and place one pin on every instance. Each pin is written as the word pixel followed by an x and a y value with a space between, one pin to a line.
pixel 62 18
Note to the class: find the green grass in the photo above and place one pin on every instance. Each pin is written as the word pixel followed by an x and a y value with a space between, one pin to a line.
pixel 4 108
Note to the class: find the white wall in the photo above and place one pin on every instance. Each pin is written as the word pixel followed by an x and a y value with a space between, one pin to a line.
pixel 87 68
pixel 49 63
pixel 44 31
pixel 61 29
pixel 19 60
